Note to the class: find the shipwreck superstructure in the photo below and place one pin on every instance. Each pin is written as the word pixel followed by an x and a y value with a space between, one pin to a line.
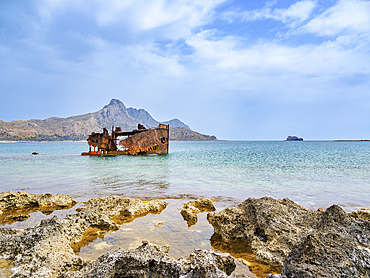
pixel 136 142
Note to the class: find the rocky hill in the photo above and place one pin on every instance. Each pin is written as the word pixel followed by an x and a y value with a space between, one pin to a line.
pixel 79 127
pixel 185 134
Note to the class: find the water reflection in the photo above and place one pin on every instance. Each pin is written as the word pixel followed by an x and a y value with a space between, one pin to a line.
pixel 168 227
pixel 130 174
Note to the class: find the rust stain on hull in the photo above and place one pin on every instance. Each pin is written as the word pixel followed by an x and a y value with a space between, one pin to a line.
pixel 140 141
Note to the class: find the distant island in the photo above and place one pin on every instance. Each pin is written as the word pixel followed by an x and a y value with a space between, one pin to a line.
pixel 77 128
pixel 293 138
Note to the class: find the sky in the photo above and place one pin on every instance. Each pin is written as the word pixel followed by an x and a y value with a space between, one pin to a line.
pixel 240 70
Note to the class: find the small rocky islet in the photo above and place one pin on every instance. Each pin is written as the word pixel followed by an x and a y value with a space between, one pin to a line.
pixel 296 241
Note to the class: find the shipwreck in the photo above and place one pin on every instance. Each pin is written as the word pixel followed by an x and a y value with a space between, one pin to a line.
pixel 139 141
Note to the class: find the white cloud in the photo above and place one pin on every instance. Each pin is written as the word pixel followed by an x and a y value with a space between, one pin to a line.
pixel 300 10
pixel 271 70
pixel 80 51
pixel 348 16
pixel 296 13
pixel 156 13
pixel 307 59
pixel 169 19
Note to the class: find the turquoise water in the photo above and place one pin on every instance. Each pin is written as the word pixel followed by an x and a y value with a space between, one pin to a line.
pixel 313 174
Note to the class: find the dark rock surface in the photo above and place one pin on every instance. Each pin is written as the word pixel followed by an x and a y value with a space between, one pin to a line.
pixel 293 138
pixel 305 243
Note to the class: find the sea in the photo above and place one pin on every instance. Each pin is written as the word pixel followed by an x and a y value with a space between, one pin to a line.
pixel 314 174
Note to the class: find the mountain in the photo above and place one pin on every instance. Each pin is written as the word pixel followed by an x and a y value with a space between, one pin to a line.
pixel 79 127
pixel 185 134
pixel 176 123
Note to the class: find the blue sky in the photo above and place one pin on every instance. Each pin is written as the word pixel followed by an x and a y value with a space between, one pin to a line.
pixel 249 70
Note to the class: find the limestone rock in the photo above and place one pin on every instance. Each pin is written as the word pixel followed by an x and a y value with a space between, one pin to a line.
pixel 150 260
pixel 18 206
pixel 203 204
pixel 191 209
pixel 304 243
pixel 21 199
pixel 327 255
pixel 46 249
pixel 272 227
pixel 190 214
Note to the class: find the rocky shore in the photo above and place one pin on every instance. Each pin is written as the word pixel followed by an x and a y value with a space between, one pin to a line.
pixel 280 233
pixel 18 206
pixel 303 243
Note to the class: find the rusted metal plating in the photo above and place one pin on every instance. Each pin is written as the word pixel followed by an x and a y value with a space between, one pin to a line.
pixel 135 142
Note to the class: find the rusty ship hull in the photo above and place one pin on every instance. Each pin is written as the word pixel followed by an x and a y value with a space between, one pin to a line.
pixel 141 141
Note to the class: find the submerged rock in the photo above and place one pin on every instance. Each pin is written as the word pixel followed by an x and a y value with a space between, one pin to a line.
pixel 150 260
pixel 191 209
pixel 303 243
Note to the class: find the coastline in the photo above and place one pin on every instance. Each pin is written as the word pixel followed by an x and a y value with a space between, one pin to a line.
pixel 157 221
pixel 314 175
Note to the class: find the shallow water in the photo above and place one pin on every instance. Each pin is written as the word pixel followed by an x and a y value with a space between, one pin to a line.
pixel 313 174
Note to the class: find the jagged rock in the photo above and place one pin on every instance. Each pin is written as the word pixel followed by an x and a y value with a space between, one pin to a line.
pixel 272 227
pixel 327 255
pixel 190 214
pixel 42 251
pixel 150 260
pixel 48 248
pixel 191 209
pixel 203 204
pixel 340 247
pixel 18 206
pixel 305 243
pixel 21 199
